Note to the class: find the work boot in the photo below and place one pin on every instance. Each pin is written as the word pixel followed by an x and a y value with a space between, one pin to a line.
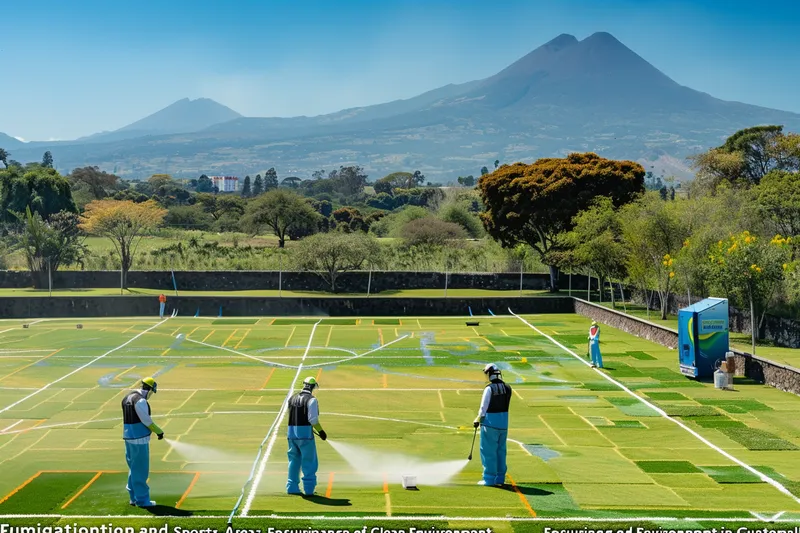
pixel 151 503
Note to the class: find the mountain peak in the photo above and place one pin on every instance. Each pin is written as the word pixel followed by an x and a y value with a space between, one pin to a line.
pixel 562 41
pixel 184 115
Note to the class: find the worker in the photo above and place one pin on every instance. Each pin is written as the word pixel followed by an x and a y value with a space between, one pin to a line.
pixel 493 421
pixel 303 420
pixel 137 426
pixel 162 302
pixel 594 345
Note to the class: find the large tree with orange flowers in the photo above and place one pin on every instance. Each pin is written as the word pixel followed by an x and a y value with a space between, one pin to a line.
pixel 534 204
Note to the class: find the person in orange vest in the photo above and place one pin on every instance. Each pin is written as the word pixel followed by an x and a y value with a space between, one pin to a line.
pixel 162 301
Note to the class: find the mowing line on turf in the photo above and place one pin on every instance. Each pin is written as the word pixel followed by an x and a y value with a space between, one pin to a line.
pixel 62 378
pixel 272 435
pixel 763 477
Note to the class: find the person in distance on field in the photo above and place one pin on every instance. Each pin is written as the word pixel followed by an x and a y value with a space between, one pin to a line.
pixel 594 345
pixel 162 302
pixel 303 420
pixel 493 421
pixel 136 430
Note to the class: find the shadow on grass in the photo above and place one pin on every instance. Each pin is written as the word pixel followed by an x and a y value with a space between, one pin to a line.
pixel 330 502
pixel 527 491
pixel 166 510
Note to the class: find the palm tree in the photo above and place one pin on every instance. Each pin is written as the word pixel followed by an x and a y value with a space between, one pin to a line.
pixel 4 157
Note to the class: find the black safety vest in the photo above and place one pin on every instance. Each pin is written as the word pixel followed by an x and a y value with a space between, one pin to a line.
pixel 501 397
pixel 298 409
pixel 129 415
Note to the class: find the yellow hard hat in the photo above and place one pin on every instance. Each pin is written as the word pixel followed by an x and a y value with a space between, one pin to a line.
pixel 150 384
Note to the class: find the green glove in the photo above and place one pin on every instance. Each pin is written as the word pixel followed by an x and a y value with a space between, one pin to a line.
pixel 157 430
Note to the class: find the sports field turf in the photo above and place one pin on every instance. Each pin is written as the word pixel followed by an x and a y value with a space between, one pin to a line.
pixel 581 445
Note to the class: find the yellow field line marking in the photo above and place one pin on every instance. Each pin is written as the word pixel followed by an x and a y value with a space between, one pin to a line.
pixel 504 333
pixel 329 490
pixel 229 337
pixel 185 401
pixel 10 494
pixel 188 490
pixel 552 430
pixel 419 324
pixel 517 393
pixel 385 484
pixel 30 365
pixel 190 333
pixel 174 332
pixel 328 340
pixel 124 372
pixel 488 341
pixel 388 504
pixel 441 414
pixel 522 497
pixel 319 374
pixel 385 381
pixel 380 336
pixel 165 352
pixel 246 333
pixel 395 333
pixel 207 336
pixel 269 376
pixel 272 321
pixel 441 400
pixel 129 328
pixel 83 489
pixel 290 337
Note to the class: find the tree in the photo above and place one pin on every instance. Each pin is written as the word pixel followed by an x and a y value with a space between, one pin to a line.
pixel 496 163
pixel 246 187
pixel 750 269
pixel 596 242
pixel 190 217
pixel 292 182
pixel 49 244
pixel 349 181
pixel 459 213
pixel 534 204
pixel 778 196
pixel 747 156
pixel 349 219
pixel 204 184
pixel 258 185
pixel 98 183
pixel 395 180
pixel 270 180
pixel 124 223
pixel 331 254
pixel 4 157
pixel 280 210
pixel 466 181
pixel 44 190
pixel 484 171
pixel 47 160
pixel 654 233
pixel 417 180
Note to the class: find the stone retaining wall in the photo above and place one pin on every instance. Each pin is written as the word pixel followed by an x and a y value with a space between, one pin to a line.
pixel 783 377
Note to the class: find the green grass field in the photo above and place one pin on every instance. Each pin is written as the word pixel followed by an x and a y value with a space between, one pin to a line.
pixel 582 447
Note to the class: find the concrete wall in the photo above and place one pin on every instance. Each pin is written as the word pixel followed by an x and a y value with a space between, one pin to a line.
pixel 100 306
pixel 238 280
pixel 783 377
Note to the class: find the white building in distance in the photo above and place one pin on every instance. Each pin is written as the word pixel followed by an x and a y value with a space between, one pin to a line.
pixel 225 183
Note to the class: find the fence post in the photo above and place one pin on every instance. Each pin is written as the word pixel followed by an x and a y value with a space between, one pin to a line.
pixel 280 276
pixel 521 269
pixel 570 284
pixel 445 282
pixel 120 278
pixel 369 281
pixel 588 287
pixel 49 278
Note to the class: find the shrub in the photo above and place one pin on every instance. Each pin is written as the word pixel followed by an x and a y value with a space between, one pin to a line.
pixel 458 213
pixel 189 217
pixel 430 231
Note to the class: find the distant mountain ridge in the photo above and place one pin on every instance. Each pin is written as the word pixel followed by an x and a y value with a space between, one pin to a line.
pixel 567 95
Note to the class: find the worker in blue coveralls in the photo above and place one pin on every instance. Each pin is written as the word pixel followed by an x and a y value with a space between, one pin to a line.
pixel 493 421
pixel 136 430
pixel 594 345
pixel 303 420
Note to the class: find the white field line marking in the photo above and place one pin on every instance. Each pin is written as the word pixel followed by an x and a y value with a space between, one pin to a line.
pixel 765 478
pixel 244 354
pixel 358 356
pixel 416 518
pixel 272 434
pixel 18 422
pixel 62 378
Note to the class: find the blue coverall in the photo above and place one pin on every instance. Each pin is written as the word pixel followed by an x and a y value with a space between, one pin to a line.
pixel 493 415
pixel 594 347
pixel 302 453
pixel 136 433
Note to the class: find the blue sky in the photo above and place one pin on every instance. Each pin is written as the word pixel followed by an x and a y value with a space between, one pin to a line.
pixel 79 67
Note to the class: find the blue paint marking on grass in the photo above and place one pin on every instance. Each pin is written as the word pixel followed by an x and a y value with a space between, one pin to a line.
pixel 425 339
pixel 541 451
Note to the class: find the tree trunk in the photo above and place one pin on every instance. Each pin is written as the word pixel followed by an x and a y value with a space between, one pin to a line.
pixel 281 242
pixel 753 322
pixel 553 278
pixel 664 300
pixel 613 302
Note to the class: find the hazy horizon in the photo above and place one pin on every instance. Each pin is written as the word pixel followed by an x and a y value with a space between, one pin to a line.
pixel 286 59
